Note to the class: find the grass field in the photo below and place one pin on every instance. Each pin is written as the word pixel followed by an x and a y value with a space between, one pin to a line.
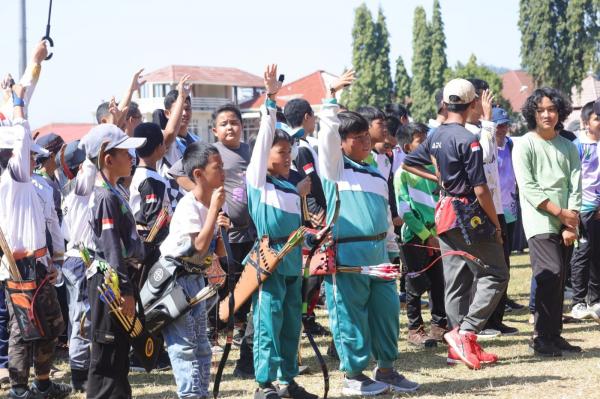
pixel 518 374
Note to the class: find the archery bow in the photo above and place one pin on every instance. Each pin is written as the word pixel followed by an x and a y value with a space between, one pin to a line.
pixel 230 320
pixel 321 236
pixel 47 35
pixel 464 254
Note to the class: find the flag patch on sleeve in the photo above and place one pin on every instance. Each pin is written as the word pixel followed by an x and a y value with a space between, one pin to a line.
pixel 107 224
pixel 151 199
pixel 308 168
pixel 475 146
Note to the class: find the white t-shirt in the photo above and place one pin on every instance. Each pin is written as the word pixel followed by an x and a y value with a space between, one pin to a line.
pixel 189 218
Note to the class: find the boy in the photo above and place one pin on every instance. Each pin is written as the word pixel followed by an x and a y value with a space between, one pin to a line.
pixel 417 198
pixel 195 225
pixel 301 118
pixel 116 241
pixel 548 171
pixel 20 215
pixel 471 291
pixel 363 310
pixel 585 264
pixel 274 205
pixel 76 228
pixel 148 194
pixel 227 122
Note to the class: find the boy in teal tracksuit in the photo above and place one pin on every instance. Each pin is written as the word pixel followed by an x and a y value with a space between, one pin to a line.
pixel 274 205
pixel 363 310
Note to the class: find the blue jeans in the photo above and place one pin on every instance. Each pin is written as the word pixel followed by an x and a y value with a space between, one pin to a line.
pixel 76 285
pixel 4 330
pixel 188 346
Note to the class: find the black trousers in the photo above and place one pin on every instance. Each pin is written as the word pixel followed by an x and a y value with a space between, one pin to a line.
pixel 497 317
pixel 585 263
pixel 549 261
pixel 415 259
pixel 109 363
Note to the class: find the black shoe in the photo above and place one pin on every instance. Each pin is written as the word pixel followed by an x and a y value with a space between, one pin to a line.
pixel 544 347
pixel 513 305
pixel 54 391
pixel 295 391
pixel 268 392
pixel 315 329
pixel 244 373
pixel 332 352
pixel 506 330
pixel 563 345
pixel 79 380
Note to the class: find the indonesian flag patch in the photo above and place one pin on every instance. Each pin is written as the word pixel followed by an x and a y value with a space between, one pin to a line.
pixel 475 146
pixel 308 168
pixel 151 199
pixel 107 224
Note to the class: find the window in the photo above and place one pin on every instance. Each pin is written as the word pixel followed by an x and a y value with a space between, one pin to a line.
pixel 144 90
pixel 160 90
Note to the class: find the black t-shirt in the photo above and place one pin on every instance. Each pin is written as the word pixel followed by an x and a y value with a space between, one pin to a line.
pixel 457 155
pixel 316 199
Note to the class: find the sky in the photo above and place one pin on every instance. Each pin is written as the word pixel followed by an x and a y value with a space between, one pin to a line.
pixel 100 44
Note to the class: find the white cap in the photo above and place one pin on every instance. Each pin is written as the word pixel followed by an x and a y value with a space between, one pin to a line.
pixel 459 91
pixel 111 134
pixel 8 139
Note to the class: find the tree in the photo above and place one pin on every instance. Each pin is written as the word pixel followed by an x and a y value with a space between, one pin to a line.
pixel 559 40
pixel 439 64
pixel 370 60
pixel 420 89
pixel 383 74
pixel 474 70
pixel 402 82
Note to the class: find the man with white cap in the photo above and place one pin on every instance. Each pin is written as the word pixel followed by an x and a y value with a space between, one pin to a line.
pixel 20 213
pixel 117 242
pixel 466 222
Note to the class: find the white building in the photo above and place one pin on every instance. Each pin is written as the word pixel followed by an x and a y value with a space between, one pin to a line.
pixel 211 88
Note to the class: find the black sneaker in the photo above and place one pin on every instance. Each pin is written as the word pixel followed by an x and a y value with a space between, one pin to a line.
pixel 295 391
pixel 506 330
pixel 268 392
pixel 54 391
pixel 563 345
pixel 512 305
pixel 314 328
pixel 544 347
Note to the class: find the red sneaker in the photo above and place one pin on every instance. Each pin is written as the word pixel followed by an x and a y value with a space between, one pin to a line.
pixel 463 348
pixel 483 356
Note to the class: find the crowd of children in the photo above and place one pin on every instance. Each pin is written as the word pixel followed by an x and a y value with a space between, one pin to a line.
pixel 84 223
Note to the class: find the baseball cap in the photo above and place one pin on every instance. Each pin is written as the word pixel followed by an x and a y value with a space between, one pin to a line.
pixel 500 116
pixel 9 135
pixel 597 107
pixel 70 157
pixel 111 134
pixel 459 91
pixel 51 141
pixel 153 135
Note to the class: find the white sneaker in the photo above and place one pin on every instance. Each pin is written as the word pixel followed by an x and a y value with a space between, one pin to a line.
pixel 595 311
pixel 361 385
pixel 581 311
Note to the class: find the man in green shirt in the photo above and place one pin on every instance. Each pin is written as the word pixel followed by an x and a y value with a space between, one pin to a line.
pixel 548 172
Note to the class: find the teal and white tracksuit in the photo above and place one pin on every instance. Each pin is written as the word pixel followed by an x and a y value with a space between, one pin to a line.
pixel 363 310
pixel 274 206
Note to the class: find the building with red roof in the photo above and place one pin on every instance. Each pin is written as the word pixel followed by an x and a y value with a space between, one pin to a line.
pixel 516 87
pixel 68 131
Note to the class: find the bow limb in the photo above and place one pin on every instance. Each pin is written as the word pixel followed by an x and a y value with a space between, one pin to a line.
pixel 230 320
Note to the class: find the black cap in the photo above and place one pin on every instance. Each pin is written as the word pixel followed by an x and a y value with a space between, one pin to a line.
pixel 51 142
pixel 69 159
pixel 153 135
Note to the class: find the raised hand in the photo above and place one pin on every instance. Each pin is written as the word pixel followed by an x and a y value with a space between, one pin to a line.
pixel 40 52
pixel 183 87
pixel 137 81
pixel 345 80
pixel 272 85
pixel 487 100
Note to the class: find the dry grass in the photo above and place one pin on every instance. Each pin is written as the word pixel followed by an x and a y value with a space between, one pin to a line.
pixel 518 375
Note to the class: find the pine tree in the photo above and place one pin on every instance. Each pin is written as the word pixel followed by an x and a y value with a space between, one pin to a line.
pixel 559 40
pixel 383 73
pixel 402 82
pixel 439 64
pixel 420 90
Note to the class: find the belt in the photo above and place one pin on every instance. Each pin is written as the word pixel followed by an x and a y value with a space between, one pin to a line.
pixel 38 253
pixel 376 237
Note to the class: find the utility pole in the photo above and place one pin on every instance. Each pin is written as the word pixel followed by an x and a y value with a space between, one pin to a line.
pixel 22 38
